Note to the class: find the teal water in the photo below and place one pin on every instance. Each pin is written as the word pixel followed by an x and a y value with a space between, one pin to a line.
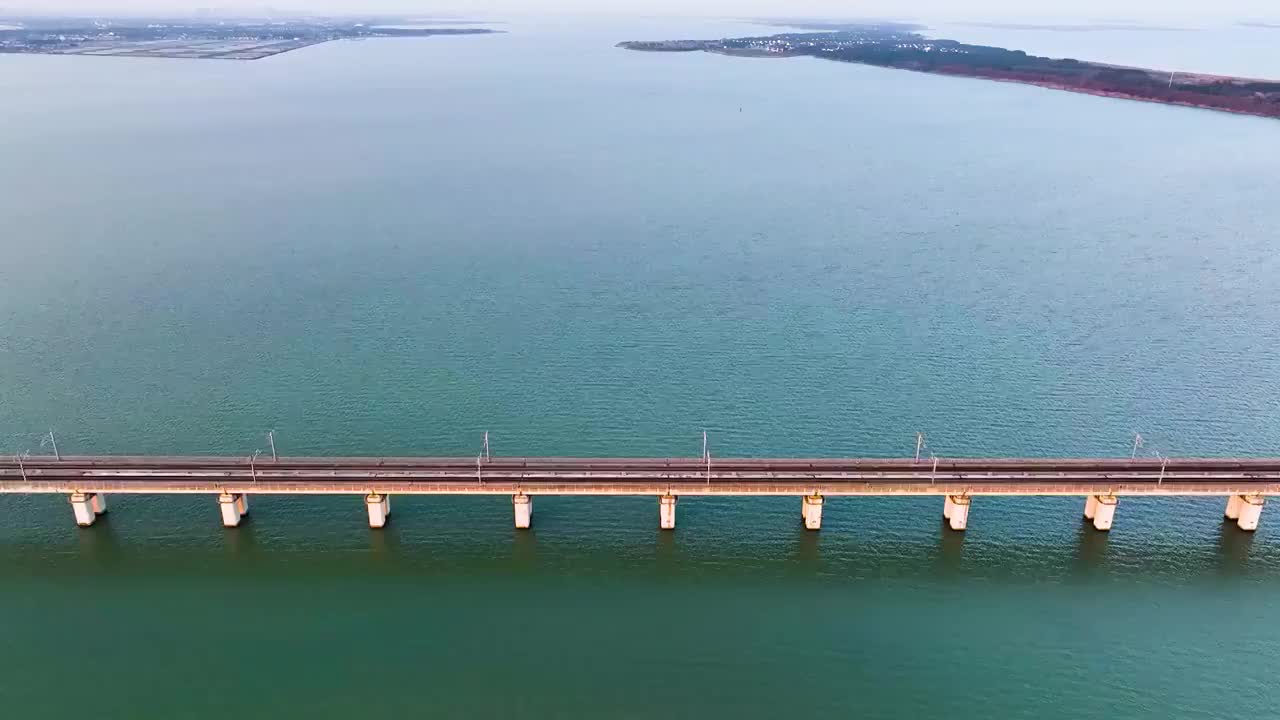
pixel 392 247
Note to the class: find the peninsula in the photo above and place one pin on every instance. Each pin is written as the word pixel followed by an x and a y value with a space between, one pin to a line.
pixel 220 39
pixel 903 47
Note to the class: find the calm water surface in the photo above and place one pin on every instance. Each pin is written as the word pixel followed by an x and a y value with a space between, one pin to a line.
pixel 393 246
pixel 1221 49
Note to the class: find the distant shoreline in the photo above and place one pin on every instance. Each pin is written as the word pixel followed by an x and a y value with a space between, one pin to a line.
pixel 197 39
pixel 1104 93
pixel 890 46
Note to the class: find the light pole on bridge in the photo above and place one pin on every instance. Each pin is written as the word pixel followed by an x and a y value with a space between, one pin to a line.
pixel 706 455
pixel 482 457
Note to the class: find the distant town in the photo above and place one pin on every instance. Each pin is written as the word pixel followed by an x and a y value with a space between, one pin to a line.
pixel 221 39
pixel 903 47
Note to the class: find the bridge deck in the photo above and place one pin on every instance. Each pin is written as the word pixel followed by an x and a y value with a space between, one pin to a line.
pixel 641 476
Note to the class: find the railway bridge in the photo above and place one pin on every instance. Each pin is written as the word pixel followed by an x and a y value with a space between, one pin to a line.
pixel 1245 483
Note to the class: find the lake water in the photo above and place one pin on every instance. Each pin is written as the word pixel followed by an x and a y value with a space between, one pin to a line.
pixel 1247 51
pixel 390 247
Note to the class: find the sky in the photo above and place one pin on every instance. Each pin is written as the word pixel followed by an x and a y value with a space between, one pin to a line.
pixel 1145 11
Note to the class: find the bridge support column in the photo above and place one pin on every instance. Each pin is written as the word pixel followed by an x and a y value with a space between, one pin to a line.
pixel 956 511
pixel 234 507
pixel 667 512
pixel 1101 509
pixel 1250 511
pixel 379 508
pixel 87 507
pixel 523 505
pixel 1233 507
pixel 811 511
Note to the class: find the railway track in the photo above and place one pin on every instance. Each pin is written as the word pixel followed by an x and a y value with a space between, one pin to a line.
pixel 559 471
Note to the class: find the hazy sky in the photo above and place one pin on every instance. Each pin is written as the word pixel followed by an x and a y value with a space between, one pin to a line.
pixel 936 10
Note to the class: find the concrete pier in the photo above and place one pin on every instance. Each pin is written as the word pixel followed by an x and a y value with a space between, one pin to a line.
pixel 1233 507
pixel 811 511
pixel 87 507
pixel 523 505
pixel 1101 509
pixel 956 510
pixel 379 509
pixel 234 507
pixel 667 512
pixel 1250 511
